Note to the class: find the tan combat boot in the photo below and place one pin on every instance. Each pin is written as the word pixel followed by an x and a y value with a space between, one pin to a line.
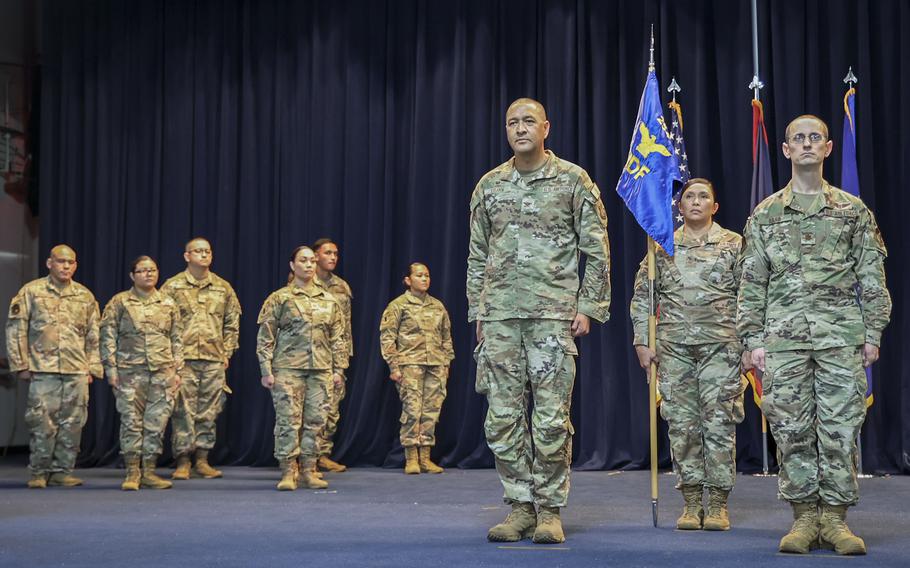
pixel 327 464
pixel 717 519
pixel 288 476
pixel 131 483
pixel 315 471
pixel 693 515
pixel 149 478
pixel 411 463
pixel 37 481
pixel 183 467
pixel 308 478
pixel 549 527
pixel 203 469
pixel 804 532
pixel 519 524
pixel 834 530
pixel 60 479
pixel 425 463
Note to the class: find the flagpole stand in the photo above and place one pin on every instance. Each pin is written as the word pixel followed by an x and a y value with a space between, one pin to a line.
pixel 764 450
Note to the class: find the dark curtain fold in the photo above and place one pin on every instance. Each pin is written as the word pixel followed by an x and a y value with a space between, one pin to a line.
pixel 263 125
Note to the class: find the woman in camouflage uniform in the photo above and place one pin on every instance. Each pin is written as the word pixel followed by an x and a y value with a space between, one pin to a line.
pixel 698 353
pixel 301 352
pixel 416 339
pixel 142 350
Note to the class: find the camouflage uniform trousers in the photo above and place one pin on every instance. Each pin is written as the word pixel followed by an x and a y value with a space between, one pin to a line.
pixel 516 358
pixel 145 401
pixel 325 439
pixel 199 402
pixel 814 401
pixel 301 399
pixel 422 390
pixel 702 392
pixel 56 411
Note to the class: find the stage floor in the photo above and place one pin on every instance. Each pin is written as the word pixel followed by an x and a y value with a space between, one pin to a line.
pixel 380 517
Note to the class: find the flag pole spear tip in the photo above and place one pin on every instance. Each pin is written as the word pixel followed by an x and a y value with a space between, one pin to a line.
pixel 651 61
pixel 674 88
pixel 850 79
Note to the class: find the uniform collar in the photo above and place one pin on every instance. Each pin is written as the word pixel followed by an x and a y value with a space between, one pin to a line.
pixel 714 236
pixel 198 283
pixel 414 299
pixel 152 298
pixel 817 205
pixel 68 290
pixel 547 171
pixel 313 290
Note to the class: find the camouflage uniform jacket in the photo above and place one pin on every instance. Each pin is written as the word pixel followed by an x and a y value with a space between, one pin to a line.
pixel 301 328
pixel 524 245
pixel 141 332
pixel 342 292
pixel 812 279
pixel 53 330
pixel 211 315
pixel 696 290
pixel 415 331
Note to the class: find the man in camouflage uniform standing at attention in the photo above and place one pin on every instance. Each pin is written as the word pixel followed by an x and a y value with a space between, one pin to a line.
pixel 699 353
pixel 211 329
pixel 52 342
pixel 812 307
pixel 530 219
pixel 326 261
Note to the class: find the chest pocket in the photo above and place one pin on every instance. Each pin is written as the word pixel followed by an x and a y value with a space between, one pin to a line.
pixel 669 276
pixel 837 231
pixel 503 205
pixel 213 300
pixel 45 311
pixel 720 272
pixel 782 243
pixel 429 320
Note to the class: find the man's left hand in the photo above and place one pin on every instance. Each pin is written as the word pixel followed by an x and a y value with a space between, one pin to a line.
pixel 870 354
pixel 581 325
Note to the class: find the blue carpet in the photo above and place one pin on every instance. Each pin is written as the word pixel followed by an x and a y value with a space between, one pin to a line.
pixel 380 517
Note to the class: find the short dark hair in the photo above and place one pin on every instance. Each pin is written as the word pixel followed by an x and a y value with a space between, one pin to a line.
pixel 139 259
pixel 186 246
pixel 323 241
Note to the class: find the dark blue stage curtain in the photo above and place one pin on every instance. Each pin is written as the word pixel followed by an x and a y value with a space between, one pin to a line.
pixel 263 125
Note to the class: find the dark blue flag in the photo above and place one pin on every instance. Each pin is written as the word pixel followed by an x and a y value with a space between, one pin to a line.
pixel 679 148
pixel 646 183
pixel 849 182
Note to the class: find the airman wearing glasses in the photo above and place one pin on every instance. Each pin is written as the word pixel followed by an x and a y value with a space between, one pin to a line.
pixel 811 309
pixel 142 351
pixel 210 314
pixel 52 342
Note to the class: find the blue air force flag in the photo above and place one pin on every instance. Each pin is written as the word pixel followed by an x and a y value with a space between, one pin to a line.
pixel 646 183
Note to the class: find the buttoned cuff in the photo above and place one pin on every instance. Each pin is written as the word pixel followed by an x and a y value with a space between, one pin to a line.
pixel 265 369
pixel 593 311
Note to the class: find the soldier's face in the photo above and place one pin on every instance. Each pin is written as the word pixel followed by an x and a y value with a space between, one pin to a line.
pixel 62 265
pixel 198 254
pixel 304 265
pixel 697 203
pixel 419 280
pixel 807 142
pixel 327 257
pixel 145 275
pixel 526 128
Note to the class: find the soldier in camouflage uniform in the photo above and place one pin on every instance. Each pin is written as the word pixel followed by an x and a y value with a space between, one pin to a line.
pixel 699 353
pixel 142 351
pixel 52 342
pixel 301 353
pixel 530 219
pixel 416 339
pixel 812 307
pixel 326 260
pixel 210 314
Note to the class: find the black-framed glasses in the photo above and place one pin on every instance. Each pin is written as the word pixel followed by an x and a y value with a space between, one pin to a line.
pixel 814 137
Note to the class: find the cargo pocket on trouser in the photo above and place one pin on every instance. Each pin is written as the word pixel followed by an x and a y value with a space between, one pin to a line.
pixel 730 399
